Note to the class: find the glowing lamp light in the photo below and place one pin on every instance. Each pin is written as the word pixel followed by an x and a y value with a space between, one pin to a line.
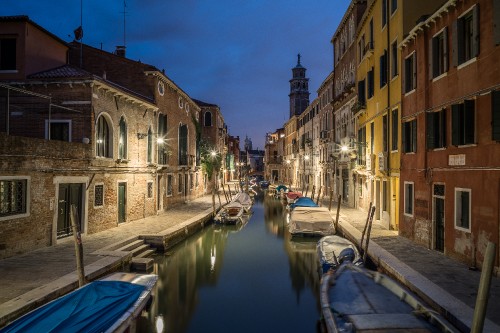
pixel 287 161
pixel 306 157
pixel 213 153
pixel 344 148
pixel 160 140
pixel 160 325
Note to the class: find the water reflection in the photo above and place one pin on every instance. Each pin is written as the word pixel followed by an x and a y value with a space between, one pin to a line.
pixel 247 277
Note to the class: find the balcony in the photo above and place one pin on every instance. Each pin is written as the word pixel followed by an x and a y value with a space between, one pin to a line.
pixel 368 49
pixel 358 107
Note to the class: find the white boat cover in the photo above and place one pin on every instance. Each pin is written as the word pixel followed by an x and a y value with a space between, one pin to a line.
pixel 234 204
pixel 243 198
pixel 311 220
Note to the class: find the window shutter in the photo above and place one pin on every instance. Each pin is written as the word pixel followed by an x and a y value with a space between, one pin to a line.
pixel 443 127
pixel 495 115
pixel 445 49
pixel 460 41
pixel 475 31
pixel 414 80
pixel 455 124
pixel 496 22
pixel 454 43
pixel 465 209
pixel 404 74
pixel 403 137
pixel 429 130
pixel 469 121
pixel 414 135
pixel 431 59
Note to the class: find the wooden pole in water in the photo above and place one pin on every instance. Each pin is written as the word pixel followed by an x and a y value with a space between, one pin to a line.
pixel 364 229
pixel 312 192
pixel 213 201
pixel 78 247
pixel 338 211
pixel 484 287
pixel 368 233
pixel 319 193
pixel 229 191
pixel 307 189
pixel 331 199
pixel 225 194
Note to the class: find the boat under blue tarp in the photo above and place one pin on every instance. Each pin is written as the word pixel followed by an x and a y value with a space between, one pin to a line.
pixel 303 202
pixel 93 308
pixel 281 188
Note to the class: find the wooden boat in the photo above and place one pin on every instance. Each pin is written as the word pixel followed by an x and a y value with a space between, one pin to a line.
pixel 354 299
pixel 302 202
pixel 311 221
pixel 332 249
pixel 291 196
pixel 230 214
pixel 111 304
pixel 245 200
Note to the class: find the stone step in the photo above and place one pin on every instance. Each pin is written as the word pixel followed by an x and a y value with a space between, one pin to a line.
pixel 140 249
pixel 131 245
pixel 141 264
pixel 146 253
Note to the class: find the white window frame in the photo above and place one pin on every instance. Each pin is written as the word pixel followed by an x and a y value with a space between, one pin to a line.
pixel 54 121
pixel 27 197
pixel 103 196
pixel 455 206
pixel 406 184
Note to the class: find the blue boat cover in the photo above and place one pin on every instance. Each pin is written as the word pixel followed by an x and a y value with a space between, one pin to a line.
pixel 281 188
pixel 303 202
pixel 92 308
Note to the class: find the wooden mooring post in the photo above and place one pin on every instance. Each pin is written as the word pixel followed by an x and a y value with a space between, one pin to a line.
pixel 368 233
pixel 78 247
pixel 331 199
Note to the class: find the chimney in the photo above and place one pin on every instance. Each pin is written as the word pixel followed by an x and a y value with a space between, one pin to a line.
pixel 120 50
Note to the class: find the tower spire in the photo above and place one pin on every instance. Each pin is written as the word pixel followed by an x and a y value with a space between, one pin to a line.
pixel 298 59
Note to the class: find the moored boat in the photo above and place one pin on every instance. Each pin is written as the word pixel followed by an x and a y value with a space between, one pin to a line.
pixel 230 214
pixel 291 196
pixel 354 299
pixel 245 200
pixel 303 202
pixel 111 304
pixel 311 221
pixel 331 250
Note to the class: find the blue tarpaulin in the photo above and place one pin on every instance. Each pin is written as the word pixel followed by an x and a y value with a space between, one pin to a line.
pixel 92 308
pixel 303 202
pixel 281 188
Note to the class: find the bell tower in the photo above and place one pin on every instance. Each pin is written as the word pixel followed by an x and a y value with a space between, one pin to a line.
pixel 299 89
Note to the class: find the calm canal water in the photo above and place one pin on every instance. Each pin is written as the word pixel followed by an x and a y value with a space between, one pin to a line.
pixel 247 278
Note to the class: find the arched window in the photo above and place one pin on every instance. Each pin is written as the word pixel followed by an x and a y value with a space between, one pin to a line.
pixel 162 139
pixel 122 141
pixel 183 157
pixel 208 119
pixel 104 140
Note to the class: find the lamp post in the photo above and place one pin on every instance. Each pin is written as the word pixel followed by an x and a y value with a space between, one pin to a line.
pixel 306 158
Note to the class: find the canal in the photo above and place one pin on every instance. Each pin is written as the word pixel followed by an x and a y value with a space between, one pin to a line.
pixel 246 278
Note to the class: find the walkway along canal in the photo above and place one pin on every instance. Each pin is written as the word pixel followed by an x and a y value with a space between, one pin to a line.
pixel 244 278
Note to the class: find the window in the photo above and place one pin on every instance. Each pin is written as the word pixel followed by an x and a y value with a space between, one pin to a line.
pixel 383 69
pixel 394 6
pixel 385 132
pixel 7 54
pixel 463 123
pixel 99 195
pixel 104 142
pixel 361 47
pixel 183 154
pixel 161 140
pixel 410 78
pixel 13 197
pixel 466 36
pixel 122 142
pixel 170 187
pixel 439 56
pixel 436 129
pixel 60 130
pixel 384 13
pixel 408 208
pixel 371 83
pixel 208 119
pixel 150 189
pixel 361 92
pixel 150 146
pixel 362 146
pixel 372 137
pixel 495 115
pixel 462 208
pixel 394 132
pixel 394 59
pixel 371 42
pixel 409 137
pixel 179 188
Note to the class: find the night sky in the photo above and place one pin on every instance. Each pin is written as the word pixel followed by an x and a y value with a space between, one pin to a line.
pixel 237 54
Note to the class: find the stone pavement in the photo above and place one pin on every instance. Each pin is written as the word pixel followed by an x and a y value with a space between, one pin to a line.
pixel 441 281
pixel 50 272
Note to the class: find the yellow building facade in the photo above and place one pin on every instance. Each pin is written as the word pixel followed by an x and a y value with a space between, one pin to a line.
pixel 379 104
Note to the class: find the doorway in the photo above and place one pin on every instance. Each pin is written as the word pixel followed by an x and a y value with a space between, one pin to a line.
pixel 69 194
pixel 438 194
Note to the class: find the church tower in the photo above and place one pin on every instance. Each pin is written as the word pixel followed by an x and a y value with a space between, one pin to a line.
pixel 299 89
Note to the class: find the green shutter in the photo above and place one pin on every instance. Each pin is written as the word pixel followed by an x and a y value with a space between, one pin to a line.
pixel 455 124
pixel 404 130
pixel 495 115
pixel 414 135
pixel 445 49
pixel 429 130
pixel 475 31
pixel 454 43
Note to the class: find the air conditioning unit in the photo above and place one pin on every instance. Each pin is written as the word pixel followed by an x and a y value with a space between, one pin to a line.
pixel 382 161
